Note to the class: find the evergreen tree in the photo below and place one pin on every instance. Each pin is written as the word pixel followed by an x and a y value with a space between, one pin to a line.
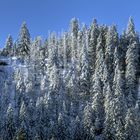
pixel 109 54
pixel 88 122
pixel 132 56
pixel 66 51
pixel 77 129
pixel 62 128
pixel 35 60
pixel 108 130
pixel 119 109
pixel 100 62
pixel 122 51
pixel 22 129
pixel 10 126
pixel 98 108
pixel 74 28
pixel 84 73
pixel 93 35
pixel 131 126
pixel 8 49
pixel 23 48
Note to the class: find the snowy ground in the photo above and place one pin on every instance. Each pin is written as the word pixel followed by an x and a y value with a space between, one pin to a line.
pixel 7 75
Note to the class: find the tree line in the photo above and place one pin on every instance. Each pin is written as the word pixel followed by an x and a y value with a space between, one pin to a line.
pixel 79 85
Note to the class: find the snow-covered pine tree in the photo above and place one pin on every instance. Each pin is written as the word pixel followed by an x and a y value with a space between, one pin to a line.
pixel 8 49
pixel 35 60
pixel 65 51
pixel 10 123
pixel 98 107
pixel 84 69
pixel 22 128
pixel 88 126
pixel 100 61
pixel 108 129
pixel 109 54
pixel 93 35
pixel 53 51
pixel 122 51
pixel 131 125
pixel 119 107
pixel 31 119
pixel 132 56
pixel 79 45
pixel 74 28
pixel 78 129
pixel 62 127
pixel 23 43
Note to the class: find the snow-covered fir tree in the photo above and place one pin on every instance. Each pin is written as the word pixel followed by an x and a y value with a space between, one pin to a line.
pixel 23 42
pixel 132 63
pixel 8 49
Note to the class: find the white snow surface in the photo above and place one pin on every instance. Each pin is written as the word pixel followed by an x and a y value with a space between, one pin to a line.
pixel 7 75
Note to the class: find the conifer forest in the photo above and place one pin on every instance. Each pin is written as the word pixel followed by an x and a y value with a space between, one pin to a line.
pixel 80 84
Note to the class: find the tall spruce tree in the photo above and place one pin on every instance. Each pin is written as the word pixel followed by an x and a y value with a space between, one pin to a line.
pixel 24 41
pixel 84 73
pixel 100 61
pixel 74 28
pixel 8 49
pixel 131 126
pixel 109 53
pixel 88 122
pixel 119 102
pixel 132 56
pixel 98 108
pixel 93 35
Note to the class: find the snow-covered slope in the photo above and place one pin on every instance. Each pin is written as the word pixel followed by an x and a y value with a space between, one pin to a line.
pixel 7 75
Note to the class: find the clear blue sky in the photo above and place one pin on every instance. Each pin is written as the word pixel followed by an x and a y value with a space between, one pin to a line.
pixel 54 15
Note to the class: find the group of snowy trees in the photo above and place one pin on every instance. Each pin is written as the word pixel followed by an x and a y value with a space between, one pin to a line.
pixel 80 85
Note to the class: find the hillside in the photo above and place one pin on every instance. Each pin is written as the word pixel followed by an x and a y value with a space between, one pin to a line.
pixel 81 85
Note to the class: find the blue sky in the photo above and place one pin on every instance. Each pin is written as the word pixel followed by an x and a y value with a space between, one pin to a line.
pixel 54 15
